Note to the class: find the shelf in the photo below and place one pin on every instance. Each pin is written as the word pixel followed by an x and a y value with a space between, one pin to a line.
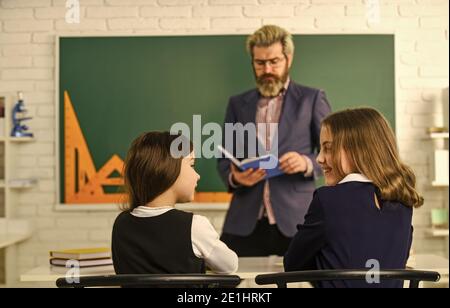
pixel 10 239
pixel 438 232
pixel 21 139
pixel 17 139
pixel 19 184
pixel 439 135
pixel 22 183
pixel 437 184
pixel 13 231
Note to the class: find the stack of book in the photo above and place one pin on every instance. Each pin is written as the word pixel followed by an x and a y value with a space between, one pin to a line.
pixel 87 257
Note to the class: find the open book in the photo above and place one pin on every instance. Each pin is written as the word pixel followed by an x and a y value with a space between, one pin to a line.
pixel 262 162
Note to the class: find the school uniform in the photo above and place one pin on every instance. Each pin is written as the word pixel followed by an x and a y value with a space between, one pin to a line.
pixel 168 241
pixel 344 229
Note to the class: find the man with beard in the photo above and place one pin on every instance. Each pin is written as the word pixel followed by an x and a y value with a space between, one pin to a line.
pixel 264 213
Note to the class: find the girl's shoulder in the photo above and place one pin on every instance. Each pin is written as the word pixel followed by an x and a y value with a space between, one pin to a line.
pixel 123 215
pixel 345 188
pixel 352 195
pixel 345 193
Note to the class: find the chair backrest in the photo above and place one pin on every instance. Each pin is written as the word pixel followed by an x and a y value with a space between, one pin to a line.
pixel 282 279
pixel 153 280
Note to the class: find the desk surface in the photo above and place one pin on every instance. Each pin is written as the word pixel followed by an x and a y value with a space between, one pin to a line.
pixel 248 268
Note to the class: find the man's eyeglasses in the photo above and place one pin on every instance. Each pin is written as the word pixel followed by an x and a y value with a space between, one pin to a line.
pixel 274 63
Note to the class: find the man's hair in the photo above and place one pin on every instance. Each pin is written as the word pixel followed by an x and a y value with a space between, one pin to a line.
pixel 269 35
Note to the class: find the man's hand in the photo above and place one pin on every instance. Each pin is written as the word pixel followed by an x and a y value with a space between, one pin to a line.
pixel 248 177
pixel 293 162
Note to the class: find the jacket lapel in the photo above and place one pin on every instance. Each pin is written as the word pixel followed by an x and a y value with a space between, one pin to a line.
pixel 250 107
pixel 288 112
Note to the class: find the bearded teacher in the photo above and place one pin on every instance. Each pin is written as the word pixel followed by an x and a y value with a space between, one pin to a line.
pixel 264 213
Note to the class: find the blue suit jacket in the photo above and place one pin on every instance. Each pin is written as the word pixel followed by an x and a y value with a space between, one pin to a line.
pixel 343 230
pixel 299 130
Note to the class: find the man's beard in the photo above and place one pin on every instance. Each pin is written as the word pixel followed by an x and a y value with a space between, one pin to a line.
pixel 273 87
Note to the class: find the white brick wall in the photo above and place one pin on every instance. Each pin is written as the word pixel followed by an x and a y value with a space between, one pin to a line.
pixel 27 29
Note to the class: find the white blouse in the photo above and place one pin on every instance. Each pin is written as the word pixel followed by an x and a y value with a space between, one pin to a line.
pixel 206 242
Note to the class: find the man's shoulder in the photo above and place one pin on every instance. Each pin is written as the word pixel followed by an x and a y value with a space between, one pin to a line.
pixel 244 95
pixel 305 90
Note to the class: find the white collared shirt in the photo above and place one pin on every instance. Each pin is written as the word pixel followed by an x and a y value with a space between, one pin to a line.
pixel 206 242
pixel 355 177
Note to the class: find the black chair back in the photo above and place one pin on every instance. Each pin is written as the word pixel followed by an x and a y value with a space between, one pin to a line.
pixel 282 279
pixel 153 280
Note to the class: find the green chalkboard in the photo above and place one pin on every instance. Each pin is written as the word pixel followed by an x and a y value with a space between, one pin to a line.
pixel 122 86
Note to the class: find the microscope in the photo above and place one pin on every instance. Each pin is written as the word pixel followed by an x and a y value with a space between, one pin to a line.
pixel 18 116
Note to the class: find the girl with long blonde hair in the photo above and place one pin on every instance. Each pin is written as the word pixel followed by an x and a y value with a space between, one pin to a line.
pixel 364 213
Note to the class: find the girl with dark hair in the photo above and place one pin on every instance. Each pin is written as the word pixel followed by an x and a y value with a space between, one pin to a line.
pixel 152 237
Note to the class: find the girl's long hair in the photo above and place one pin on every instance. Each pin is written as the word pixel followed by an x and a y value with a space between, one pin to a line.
pixel 369 143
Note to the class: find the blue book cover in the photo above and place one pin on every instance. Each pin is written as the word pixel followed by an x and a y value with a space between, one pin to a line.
pixel 257 162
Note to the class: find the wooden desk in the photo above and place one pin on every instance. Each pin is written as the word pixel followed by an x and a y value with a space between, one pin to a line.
pixel 248 269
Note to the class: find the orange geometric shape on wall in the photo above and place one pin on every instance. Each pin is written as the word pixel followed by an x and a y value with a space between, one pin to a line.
pixel 83 184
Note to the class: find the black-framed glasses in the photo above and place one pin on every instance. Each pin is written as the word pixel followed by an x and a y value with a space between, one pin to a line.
pixel 274 63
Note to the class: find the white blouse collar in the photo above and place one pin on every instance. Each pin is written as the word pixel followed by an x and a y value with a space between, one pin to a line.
pixel 145 211
pixel 355 177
